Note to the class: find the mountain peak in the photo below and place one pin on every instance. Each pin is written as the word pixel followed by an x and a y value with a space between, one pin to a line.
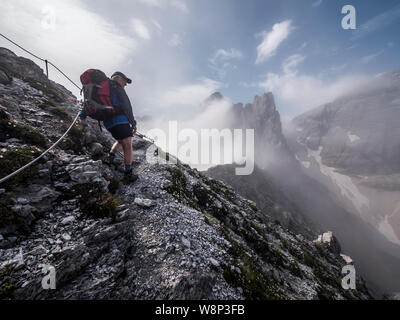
pixel 215 96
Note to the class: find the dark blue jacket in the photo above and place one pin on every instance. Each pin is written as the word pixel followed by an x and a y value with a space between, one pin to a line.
pixel 119 99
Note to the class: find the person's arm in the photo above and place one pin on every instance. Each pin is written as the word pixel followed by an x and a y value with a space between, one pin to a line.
pixel 82 114
pixel 125 105
pixel 82 117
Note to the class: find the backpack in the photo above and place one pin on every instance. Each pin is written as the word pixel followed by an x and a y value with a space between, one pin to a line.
pixel 96 95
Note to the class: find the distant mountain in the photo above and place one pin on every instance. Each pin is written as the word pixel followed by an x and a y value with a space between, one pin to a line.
pixel 352 146
pixel 283 179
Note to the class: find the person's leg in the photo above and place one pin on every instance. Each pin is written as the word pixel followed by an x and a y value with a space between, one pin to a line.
pixel 127 148
pixel 116 147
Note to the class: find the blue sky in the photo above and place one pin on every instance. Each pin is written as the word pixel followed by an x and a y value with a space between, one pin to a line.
pixel 178 52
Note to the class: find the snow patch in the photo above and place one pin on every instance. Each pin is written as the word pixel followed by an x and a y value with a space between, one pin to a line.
pixel 353 137
pixel 346 258
pixel 347 187
pixel 325 237
pixel 386 229
pixel 306 164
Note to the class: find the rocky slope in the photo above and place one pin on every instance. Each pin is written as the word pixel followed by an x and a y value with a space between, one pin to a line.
pixel 174 234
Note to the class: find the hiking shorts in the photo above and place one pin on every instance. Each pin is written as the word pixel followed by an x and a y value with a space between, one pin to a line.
pixel 121 131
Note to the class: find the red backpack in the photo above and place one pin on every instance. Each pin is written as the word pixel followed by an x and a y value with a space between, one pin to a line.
pixel 96 94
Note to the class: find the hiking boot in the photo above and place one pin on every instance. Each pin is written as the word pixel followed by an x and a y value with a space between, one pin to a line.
pixel 129 177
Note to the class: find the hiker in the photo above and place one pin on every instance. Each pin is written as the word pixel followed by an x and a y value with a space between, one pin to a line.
pixel 122 126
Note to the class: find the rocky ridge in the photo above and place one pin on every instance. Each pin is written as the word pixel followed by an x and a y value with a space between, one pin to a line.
pixel 174 234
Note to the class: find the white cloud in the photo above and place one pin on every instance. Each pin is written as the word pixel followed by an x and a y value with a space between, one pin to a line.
pixel 190 94
pixel 290 63
pixel 157 24
pixel 223 54
pixel 272 40
pixel 316 3
pixel 367 59
pixel 178 4
pixel 140 29
pixel 300 92
pixel 175 41
pixel 58 31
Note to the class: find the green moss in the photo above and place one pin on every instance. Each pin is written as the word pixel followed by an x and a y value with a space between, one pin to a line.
pixel 29 135
pixel 309 260
pixel 74 139
pixel 13 159
pixel 295 269
pixel 49 103
pixel 61 113
pixel 201 195
pixel 114 185
pixel 255 284
pixel 7 291
pixel 7 288
pixel 178 188
pixel 47 88
pixel 324 293
pixel 92 201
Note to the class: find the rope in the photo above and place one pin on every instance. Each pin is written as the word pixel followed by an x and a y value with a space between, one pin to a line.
pixel 41 156
pixel 41 59
pixel 62 137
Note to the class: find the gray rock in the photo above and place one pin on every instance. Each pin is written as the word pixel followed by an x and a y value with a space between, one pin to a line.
pixel 147 203
pixel 214 262
pixel 4 78
pixel 66 236
pixel 22 201
pixel 186 242
pixel 13 140
pixel 68 220
pixel 96 149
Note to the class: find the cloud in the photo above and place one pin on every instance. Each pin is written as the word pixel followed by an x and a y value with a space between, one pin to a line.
pixel 140 29
pixel 190 94
pixel 267 48
pixel 296 93
pixel 157 25
pixel 223 54
pixel 316 3
pixel 175 41
pixel 58 31
pixel 378 22
pixel 367 59
pixel 220 61
pixel 290 63
pixel 178 4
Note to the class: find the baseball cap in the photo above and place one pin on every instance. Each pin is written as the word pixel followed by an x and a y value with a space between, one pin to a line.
pixel 117 73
